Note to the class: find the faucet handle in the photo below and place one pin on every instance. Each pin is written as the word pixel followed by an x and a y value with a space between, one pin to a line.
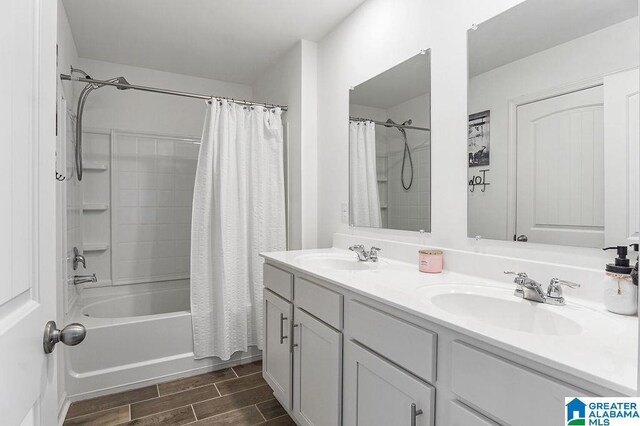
pixel 375 250
pixel 555 287
pixel 356 247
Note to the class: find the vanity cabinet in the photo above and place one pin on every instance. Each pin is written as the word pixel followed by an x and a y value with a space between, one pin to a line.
pixel 317 368
pixel 335 357
pixel 302 357
pixel 277 359
pixel 381 394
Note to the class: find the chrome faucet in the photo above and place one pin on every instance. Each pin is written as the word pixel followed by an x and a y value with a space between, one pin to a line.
pixel 530 289
pixel 81 279
pixel 78 258
pixel 364 255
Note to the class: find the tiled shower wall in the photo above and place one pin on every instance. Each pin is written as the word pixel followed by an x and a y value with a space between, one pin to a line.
pixel 137 215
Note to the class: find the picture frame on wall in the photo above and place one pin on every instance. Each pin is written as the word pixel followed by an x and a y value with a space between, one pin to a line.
pixel 478 139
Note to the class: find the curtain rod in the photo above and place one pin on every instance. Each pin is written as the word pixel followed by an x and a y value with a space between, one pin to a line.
pixel 168 92
pixel 384 123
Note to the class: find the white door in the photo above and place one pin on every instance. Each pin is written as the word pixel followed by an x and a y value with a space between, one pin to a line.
pixel 277 358
pixel 27 211
pixel 560 169
pixel 621 158
pixel 317 372
pixel 377 393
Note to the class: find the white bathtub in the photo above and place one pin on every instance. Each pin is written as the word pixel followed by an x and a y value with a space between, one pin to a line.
pixel 136 334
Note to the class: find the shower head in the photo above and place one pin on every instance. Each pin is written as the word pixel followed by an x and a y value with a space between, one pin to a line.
pixel 408 122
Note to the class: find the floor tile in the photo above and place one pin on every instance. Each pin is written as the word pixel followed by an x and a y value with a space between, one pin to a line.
pixel 172 401
pixel 110 401
pixel 244 369
pixel 241 383
pixel 176 417
pixel 279 421
pixel 108 417
pixel 243 417
pixel 187 383
pixel 232 402
pixel 271 409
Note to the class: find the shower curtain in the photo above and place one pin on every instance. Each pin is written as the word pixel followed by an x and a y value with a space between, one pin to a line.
pixel 365 200
pixel 238 212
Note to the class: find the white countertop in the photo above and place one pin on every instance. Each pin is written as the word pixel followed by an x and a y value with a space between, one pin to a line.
pixel 604 352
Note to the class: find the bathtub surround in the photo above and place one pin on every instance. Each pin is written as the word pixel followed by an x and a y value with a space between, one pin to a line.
pixel 365 200
pixel 238 212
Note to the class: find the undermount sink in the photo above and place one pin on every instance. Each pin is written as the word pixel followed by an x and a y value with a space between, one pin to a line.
pixel 500 308
pixel 341 262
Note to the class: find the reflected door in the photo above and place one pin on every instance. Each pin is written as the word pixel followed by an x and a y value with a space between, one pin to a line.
pixel 560 169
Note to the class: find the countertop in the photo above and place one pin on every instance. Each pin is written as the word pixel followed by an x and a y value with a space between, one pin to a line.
pixel 605 352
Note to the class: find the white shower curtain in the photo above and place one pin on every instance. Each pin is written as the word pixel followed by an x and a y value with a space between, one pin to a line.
pixel 365 200
pixel 238 212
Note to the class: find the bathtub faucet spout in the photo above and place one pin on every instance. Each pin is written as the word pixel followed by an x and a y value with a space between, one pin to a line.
pixel 81 279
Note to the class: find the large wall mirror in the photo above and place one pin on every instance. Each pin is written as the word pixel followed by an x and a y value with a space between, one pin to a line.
pixel 390 149
pixel 553 124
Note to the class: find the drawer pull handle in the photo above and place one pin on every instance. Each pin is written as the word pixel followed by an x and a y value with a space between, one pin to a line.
pixel 282 336
pixel 414 414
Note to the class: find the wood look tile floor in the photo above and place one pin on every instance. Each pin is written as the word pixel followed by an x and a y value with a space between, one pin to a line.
pixel 234 396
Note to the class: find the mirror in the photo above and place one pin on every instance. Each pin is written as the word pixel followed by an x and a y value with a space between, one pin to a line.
pixel 390 148
pixel 553 124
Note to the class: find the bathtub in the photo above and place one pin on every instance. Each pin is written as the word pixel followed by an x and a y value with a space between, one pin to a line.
pixel 136 335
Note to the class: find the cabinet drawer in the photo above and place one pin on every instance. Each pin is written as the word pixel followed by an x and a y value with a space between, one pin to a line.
pixel 509 392
pixel 405 344
pixel 464 416
pixel 319 302
pixel 278 281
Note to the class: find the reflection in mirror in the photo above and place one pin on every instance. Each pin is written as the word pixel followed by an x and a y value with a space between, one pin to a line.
pixel 390 150
pixel 553 124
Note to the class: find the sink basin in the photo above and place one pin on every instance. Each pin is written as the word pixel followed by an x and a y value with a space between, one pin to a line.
pixel 338 262
pixel 497 307
pixel 517 315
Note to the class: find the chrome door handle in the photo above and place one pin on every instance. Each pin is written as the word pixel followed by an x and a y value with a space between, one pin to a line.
pixel 71 335
pixel 414 414
pixel 522 238
pixel 282 336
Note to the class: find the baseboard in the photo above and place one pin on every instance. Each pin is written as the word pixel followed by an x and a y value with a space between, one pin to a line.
pixel 186 373
pixel 63 408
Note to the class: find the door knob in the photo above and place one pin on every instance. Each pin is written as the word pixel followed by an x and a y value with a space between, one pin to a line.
pixel 522 238
pixel 71 335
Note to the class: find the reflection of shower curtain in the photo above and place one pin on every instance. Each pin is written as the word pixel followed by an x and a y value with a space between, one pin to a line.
pixel 365 201
pixel 238 212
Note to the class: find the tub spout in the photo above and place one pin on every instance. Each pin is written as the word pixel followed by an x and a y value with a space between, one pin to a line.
pixel 81 279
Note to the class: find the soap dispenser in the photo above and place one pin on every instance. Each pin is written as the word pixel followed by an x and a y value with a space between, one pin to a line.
pixel 620 293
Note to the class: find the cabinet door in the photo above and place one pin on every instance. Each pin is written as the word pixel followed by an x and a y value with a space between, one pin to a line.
pixel 276 356
pixel 376 393
pixel 317 372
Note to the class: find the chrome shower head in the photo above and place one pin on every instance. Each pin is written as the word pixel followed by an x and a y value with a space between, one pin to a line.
pixel 408 122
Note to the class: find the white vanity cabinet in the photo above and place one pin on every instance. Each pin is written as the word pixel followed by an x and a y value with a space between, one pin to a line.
pixel 335 357
pixel 377 393
pixel 302 357
pixel 317 368
pixel 277 359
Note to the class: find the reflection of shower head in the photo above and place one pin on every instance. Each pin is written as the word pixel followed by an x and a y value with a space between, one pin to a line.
pixel 408 122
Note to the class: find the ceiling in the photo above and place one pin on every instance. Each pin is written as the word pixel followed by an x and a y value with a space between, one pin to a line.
pixel 396 85
pixel 229 40
pixel 537 25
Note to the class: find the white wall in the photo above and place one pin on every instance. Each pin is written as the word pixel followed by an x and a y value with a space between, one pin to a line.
pixel 374 38
pixel 291 81
pixel 606 51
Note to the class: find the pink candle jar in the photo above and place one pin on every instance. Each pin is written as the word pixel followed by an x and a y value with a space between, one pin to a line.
pixel 430 261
